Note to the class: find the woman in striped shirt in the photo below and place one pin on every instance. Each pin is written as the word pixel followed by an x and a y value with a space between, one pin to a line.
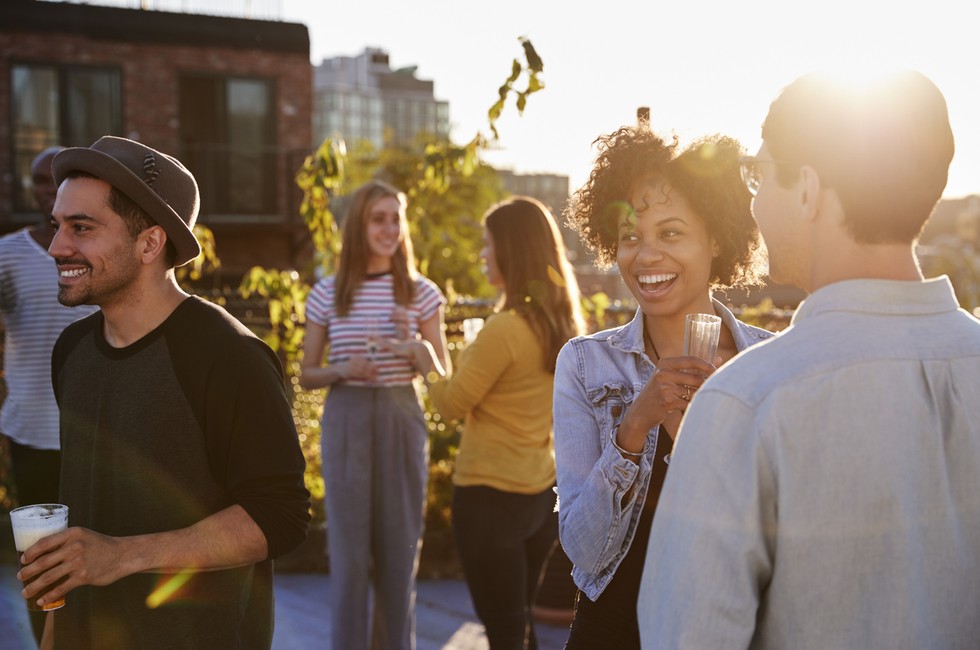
pixel 374 439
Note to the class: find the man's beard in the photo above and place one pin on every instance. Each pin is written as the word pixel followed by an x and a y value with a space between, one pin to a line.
pixel 66 298
pixel 72 296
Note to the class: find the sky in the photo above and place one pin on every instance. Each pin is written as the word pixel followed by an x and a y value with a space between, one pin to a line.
pixel 701 66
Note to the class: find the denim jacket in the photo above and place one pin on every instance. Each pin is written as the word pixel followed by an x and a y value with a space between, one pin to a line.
pixel 601 493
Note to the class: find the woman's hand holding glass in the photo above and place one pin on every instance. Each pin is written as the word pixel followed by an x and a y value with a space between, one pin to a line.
pixel 662 401
pixel 414 348
pixel 360 368
pixel 399 316
pixel 403 344
pixel 407 348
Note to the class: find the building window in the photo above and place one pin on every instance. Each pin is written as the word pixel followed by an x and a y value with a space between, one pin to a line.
pixel 442 118
pixel 71 106
pixel 227 139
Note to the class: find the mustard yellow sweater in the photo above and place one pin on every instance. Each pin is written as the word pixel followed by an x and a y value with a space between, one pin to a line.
pixel 500 386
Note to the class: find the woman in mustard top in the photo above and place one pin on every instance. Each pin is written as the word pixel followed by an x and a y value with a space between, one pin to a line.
pixel 504 502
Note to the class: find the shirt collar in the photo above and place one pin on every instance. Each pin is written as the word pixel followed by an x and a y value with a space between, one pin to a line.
pixel 880 297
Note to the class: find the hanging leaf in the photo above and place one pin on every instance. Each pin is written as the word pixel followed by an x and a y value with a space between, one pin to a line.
pixel 534 61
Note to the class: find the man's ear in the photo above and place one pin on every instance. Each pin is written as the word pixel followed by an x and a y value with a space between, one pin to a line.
pixel 809 192
pixel 153 244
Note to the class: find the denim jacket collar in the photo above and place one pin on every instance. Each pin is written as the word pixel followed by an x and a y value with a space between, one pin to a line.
pixel 630 337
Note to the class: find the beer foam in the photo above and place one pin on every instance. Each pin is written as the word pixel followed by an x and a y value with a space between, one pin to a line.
pixel 32 523
pixel 41 510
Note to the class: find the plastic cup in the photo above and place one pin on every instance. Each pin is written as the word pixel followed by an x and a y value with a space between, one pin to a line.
pixel 31 524
pixel 701 332
pixel 471 327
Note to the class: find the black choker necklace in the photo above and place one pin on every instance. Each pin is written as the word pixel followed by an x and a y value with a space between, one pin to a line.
pixel 649 339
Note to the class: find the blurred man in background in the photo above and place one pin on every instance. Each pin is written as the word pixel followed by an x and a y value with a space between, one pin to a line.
pixel 33 319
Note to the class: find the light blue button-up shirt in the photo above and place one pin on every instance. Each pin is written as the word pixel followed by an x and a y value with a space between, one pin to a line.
pixel 824 490
pixel 600 493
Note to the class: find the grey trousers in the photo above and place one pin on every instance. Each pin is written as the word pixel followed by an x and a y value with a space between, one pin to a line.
pixel 375 467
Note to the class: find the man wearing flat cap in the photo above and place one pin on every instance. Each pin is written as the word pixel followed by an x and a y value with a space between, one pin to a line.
pixel 181 466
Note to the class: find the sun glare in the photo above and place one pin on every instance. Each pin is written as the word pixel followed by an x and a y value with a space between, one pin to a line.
pixel 862 74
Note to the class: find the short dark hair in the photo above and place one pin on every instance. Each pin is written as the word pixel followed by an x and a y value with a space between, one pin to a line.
pixel 136 218
pixel 705 173
pixel 884 146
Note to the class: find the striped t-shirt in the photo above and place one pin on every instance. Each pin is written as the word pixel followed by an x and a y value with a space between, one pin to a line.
pixel 33 319
pixel 370 317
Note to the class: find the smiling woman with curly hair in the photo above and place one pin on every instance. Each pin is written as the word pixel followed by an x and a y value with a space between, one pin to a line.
pixel 677 223
pixel 705 173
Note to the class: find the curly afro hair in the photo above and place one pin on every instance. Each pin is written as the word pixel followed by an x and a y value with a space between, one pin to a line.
pixel 706 173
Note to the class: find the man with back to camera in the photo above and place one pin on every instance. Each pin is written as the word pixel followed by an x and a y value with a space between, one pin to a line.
pixel 182 469
pixel 32 319
pixel 825 489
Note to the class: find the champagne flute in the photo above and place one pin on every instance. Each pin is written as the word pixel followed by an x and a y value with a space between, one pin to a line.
pixel 701 333
pixel 372 339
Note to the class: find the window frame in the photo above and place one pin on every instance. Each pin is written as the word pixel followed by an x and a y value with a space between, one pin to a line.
pixel 217 185
pixel 22 204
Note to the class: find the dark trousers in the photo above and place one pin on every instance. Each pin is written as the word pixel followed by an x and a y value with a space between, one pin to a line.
pixel 608 623
pixel 504 540
pixel 611 621
pixel 36 474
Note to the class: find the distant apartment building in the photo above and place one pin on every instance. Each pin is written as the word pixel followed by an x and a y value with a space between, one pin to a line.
pixel 550 189
pixel 553 191
pixel 362 98
pixel 230 97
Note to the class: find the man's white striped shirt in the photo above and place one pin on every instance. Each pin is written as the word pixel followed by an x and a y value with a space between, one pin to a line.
pixel 33 319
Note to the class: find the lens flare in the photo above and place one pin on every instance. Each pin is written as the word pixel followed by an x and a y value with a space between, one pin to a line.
pixel 167 589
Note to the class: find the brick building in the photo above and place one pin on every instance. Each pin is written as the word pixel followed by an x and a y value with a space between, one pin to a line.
pixel 230 97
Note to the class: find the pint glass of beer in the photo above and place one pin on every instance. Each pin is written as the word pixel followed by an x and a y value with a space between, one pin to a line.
pixel 32 523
